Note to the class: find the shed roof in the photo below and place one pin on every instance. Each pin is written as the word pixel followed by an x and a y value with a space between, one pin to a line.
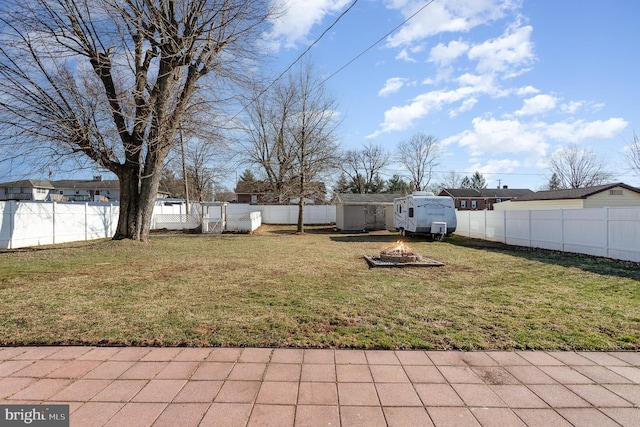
pixel 574 193
pixel 366 199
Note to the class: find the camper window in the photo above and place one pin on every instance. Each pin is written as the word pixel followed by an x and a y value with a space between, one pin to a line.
pixel 410 212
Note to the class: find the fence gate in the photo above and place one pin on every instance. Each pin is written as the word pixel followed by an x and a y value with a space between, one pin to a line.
pixel 374 218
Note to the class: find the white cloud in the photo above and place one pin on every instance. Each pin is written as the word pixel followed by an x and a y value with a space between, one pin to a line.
pixel 299 17
pixel 449 16
pixel 580 130
pixel 392 85
pixel 537 105
pixel 527 90
pixel 507 54
pixel 446 54
pixel 493 136
pixel 495 167
pixel 466 105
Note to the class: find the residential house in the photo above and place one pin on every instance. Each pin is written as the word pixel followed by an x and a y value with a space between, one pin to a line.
pixel 364 212
pixel 482 199
pixel 67 190
pixel 260 193
pixel 26 189
pixel 616 195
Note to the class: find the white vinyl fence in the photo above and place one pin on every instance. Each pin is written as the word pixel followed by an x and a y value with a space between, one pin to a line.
pixel 606 232
pixel 27 223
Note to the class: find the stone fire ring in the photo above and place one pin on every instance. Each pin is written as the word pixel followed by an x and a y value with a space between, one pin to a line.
pixel 410 261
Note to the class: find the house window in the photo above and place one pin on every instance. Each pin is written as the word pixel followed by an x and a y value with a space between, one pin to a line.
pixel 474 204
pixel 498 200
pixel 463 204
pixel 410 212
pixel 97 192
pixel 617 192
pixel 254 198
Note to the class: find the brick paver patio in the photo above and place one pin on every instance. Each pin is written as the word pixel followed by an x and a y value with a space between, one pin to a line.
pixel 110 386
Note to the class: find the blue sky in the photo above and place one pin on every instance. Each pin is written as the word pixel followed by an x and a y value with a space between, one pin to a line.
pixel 501 84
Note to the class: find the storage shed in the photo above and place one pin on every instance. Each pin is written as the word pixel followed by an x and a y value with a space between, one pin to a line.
pixel 364 212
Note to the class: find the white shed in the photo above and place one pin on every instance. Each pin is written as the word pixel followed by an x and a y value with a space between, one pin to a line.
pixel 365 212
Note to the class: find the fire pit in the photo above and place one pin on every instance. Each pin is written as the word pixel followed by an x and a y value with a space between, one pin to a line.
pixel 399 256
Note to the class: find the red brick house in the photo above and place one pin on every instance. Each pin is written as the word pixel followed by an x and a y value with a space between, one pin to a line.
pixel 470 199
pixel 260 192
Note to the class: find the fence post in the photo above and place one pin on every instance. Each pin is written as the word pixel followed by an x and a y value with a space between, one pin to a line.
pixel 529 217
pixel 504 229
pixel 86 221
pixel 606 232
pixel 53 222
pixel 562 229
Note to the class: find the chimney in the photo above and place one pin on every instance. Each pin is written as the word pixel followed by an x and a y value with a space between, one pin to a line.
pixel 505 187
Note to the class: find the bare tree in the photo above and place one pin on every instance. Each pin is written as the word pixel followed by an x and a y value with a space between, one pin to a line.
pixel 292 136
pixel 451 179
pixel 577 167
pixel 632 156
pixel 269 145
pixel 313 136
pixel 363 167
pixel 112 80
pixel 419 155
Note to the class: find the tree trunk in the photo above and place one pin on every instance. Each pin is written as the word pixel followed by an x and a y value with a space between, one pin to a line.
pixel 129 215
pixel 300 228
pixel 137 200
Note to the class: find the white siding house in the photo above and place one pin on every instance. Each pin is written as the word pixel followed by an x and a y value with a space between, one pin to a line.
pixel 617 195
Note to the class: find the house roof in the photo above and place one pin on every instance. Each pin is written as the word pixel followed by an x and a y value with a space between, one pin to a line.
pixel 27 183
pixel 575 193
pixel 497 193
pixel 264 187
pixel 366 199
pixel 87 184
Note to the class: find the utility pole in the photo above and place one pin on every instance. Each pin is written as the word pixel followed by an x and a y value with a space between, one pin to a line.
pixel 184 171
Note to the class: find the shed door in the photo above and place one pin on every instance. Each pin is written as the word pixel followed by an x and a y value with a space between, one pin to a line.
pixel 374 218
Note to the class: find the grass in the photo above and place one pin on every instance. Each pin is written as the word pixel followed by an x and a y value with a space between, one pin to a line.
pixel 275 288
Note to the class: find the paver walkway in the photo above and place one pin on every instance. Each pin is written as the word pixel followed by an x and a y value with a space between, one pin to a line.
pixel 133 386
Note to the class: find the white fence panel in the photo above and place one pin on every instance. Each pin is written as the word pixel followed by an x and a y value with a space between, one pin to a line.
pixel 584 231
pixel 33 224
pixel 495 227
pixel 7 210
pixel 244 221
pixel 607 232
pixel 546 229
pixel 623 231
pixel 102 221
pixel 517 229
pixel 70 223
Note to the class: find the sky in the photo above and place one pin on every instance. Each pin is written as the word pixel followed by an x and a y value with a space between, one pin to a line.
pixel 501 84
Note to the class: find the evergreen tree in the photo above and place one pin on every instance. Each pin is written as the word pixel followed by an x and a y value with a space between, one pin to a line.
pixel 554 182
pixel 478 182
pixel 397 185
pixel 247 176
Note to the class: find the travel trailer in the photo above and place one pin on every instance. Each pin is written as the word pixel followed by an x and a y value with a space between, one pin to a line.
pixel 424 213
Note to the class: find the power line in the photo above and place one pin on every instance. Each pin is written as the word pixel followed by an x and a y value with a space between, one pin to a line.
pixel 378 41
pixel 295 61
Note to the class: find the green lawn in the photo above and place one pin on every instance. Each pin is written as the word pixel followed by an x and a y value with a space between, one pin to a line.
pixel 275 288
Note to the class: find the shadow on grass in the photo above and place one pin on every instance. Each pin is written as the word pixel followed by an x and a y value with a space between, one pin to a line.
pixel 592 264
